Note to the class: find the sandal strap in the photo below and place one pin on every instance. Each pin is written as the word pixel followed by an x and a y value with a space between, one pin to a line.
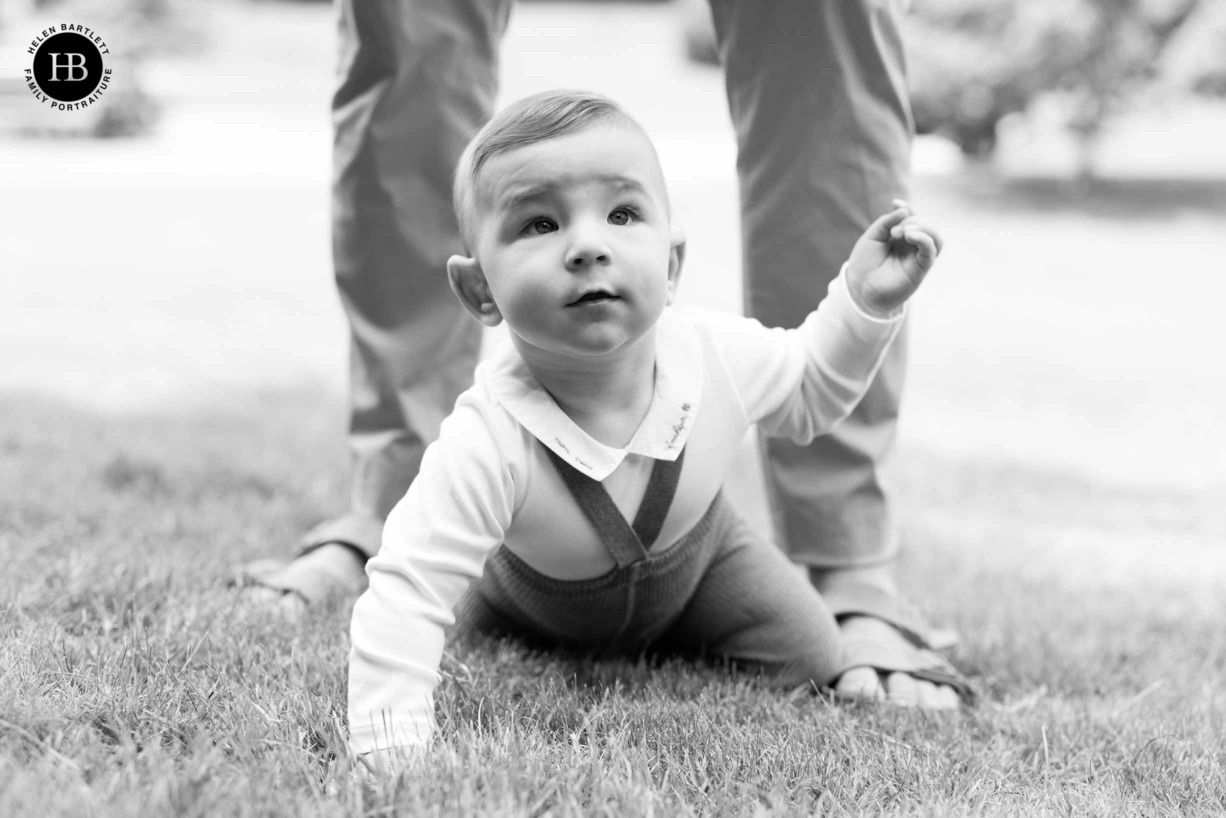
pixel 916 661
pixel 867 600
pixel 290 578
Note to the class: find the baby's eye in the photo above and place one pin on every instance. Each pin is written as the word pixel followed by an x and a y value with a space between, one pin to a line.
pixel 542 226
pixel 622 216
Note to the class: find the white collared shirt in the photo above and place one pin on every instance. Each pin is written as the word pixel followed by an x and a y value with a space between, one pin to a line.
pixel 487 480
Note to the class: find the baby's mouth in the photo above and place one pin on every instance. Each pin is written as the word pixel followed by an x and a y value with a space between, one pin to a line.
pixel 594 297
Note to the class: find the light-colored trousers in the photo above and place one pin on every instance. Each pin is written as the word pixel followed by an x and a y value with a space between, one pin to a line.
pixel 817 93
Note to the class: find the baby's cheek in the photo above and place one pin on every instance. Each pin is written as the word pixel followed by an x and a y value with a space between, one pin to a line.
pixel 532 308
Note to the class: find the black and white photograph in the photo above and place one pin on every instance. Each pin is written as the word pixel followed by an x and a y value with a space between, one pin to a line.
pixel 612 408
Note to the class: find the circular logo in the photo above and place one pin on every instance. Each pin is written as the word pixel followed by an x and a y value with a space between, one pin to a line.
pixel 68 67
pixel 68 70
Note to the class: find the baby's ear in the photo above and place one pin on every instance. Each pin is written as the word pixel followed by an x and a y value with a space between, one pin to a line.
pixel 676 258
pixel 469 284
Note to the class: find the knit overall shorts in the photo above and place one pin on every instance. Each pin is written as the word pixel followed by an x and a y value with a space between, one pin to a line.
pixel 720 591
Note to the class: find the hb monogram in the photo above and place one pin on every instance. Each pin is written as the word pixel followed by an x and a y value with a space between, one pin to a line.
pixel 71 65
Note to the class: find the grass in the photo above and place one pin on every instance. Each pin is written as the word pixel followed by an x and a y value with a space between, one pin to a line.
pixel 132 682
pixel 1064 321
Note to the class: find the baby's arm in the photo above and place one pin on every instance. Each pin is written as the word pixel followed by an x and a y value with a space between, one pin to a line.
pixel 801 383
pixel 434 544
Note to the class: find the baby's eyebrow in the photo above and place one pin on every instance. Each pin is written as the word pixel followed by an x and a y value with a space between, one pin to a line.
pixel 516 198
pixel 625 184
pixel 519 197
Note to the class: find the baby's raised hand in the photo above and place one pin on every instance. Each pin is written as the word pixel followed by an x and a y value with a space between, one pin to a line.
pixel 890 260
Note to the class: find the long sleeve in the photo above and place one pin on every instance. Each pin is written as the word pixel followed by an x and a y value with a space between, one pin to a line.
pixel 800 383
pixel 435 543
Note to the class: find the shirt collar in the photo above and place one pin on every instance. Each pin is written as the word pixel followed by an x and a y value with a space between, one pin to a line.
pixel 664 430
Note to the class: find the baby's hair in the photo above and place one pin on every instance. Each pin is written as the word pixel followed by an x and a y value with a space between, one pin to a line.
pixel 542 116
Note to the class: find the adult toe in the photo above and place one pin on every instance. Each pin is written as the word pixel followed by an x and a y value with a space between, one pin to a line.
pixel 946 698
pixel 902 689
pixel 862 683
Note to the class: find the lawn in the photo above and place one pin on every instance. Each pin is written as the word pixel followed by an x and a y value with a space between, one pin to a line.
pixel 134 682
pixel 170 406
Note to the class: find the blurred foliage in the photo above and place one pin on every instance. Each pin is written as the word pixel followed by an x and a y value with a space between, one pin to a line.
pixel 1197 56
pixel 973 63
pixel 134 31
pixel 135 28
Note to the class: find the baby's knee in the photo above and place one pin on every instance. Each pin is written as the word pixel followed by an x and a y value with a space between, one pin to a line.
pixel 815 658
pixel 816 667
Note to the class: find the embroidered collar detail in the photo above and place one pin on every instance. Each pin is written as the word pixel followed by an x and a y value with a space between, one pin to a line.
pixel 664 430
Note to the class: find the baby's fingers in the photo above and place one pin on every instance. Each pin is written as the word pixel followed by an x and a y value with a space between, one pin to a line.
pixel 926 240
pixel 926 248
pixel 883 229
pixel 913 224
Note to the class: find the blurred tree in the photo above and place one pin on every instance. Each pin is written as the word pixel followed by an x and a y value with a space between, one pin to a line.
pixel 1124 42
pixel 1197 54
pixel 973 63
pixel 135 30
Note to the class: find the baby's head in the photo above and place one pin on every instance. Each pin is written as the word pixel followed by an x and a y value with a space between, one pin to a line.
pixel 538 118
pixel 565 218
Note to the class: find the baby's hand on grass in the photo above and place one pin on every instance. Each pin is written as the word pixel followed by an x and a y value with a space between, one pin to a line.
pixel 890 260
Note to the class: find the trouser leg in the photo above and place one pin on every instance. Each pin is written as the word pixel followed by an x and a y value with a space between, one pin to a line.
pixel 817 93
pixel 753 607
pixel 416 79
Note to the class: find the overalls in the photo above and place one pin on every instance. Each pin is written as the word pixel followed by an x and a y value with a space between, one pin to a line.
pixel 719 591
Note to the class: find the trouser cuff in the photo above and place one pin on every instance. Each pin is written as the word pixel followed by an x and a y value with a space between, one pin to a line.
pixel 360 532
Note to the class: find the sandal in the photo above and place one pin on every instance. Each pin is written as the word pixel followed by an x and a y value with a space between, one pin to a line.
pixel 314 583
pixel 916 655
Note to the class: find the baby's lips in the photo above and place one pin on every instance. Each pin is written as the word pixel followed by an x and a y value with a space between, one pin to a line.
pixel 592 295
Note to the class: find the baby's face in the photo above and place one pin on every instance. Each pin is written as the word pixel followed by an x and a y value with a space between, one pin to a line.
pixel 574 240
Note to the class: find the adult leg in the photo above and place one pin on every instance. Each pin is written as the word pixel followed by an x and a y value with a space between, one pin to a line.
pixel 416 79
pixel 817 92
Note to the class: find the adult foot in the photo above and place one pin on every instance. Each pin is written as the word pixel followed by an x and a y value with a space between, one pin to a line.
pixel 894 687
pixel 888 655
pixel 332 569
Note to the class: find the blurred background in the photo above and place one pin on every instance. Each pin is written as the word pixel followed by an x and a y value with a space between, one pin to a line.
pixel 167 250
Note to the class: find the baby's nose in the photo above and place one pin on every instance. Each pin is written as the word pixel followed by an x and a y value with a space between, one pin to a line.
pixel 588 248
pixel 587 258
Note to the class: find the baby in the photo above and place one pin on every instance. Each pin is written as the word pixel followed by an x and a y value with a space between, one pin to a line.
pixel 573 495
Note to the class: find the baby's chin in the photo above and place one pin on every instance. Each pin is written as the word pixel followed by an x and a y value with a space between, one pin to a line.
pixel 595 345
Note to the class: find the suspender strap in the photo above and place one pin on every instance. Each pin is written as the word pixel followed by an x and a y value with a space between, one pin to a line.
pixel 626 544
pixel 657 499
